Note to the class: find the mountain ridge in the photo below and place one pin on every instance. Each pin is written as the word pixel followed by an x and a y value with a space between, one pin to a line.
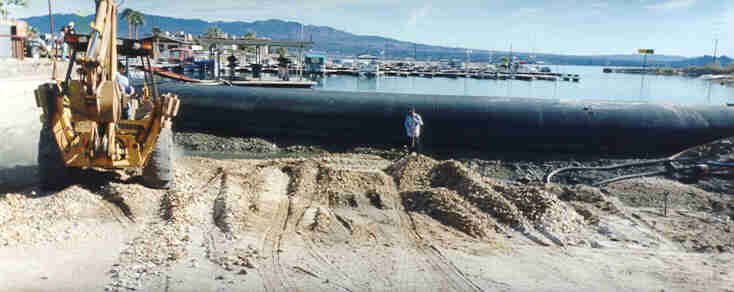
pixel 341 43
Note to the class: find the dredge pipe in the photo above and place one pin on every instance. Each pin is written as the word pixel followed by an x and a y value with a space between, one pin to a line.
pixel 485 123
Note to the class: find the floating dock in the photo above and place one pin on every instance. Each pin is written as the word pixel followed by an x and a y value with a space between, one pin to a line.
pixel 274 83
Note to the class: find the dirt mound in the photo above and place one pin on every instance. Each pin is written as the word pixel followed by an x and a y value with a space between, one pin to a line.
pixel 447 207
pixel 454 176
pixel 345 188
pixel 412 172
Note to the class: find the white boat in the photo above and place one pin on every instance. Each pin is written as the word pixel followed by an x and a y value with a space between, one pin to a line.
pixel 714 77
pixel 368 66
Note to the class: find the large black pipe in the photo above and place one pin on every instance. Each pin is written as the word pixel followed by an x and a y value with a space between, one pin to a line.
pixel 478 122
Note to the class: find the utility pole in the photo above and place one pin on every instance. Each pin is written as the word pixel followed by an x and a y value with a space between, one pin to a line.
pixel 716 47
pixel 55 48
pixel 644 52
pixel 468 60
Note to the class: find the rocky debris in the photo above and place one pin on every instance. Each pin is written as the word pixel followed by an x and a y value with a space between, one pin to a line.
pixel 454 176
pixel 447 207
pixel 158 246
pixel 544 209
pixel 237 259
pixel 305 149
pixel 412 172
pixel 345 188
pixel 200 142
pixel 26 219
pixel 509 203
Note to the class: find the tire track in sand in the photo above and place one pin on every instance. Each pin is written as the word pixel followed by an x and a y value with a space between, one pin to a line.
pixel 452 275
pixel 275 277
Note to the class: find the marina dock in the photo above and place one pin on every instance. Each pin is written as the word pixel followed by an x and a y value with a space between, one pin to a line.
pixel 274 83
pixel 526 76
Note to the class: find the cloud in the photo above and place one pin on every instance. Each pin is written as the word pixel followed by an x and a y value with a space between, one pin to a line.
pixel 417 15
pixel 672 4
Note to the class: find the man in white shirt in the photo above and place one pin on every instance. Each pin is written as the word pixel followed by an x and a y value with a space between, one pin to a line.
pixel 126 88
pixel 413 123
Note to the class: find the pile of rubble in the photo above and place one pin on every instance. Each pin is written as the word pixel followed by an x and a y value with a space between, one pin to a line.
pixel 459 197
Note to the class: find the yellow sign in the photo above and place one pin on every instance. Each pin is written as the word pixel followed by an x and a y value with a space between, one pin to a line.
pixel 646 51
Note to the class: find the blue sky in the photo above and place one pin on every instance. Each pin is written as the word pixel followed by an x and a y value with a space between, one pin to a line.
pixel 671 27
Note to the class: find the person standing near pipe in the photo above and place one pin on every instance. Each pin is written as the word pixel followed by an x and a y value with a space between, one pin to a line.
pixel 413 123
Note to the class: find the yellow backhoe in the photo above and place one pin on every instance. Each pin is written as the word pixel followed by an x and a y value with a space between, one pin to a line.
pixel 83 121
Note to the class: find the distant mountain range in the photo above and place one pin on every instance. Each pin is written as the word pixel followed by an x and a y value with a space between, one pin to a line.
pixel 335 42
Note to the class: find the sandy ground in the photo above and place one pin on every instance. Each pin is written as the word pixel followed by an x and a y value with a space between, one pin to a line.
pixel 348 222
pixel 314 225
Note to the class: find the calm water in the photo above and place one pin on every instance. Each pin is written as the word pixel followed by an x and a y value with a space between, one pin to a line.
pixel 594 85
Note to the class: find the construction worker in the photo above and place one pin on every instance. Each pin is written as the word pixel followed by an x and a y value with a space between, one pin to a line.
pixel 413 123
pixel 61 44
pixel 126 89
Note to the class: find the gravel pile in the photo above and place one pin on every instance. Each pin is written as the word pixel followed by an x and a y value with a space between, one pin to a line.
pixel 412 172
pixel 447 207
pixel 544 209
pixel 461 198
pixel 345 188
pixel 454 176
pixel 67 215
pixel 210 143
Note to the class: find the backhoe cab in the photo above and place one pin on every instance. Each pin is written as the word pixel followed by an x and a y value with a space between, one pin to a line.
pixel 83 121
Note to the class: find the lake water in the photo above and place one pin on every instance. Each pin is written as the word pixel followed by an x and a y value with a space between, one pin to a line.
pixel 594 84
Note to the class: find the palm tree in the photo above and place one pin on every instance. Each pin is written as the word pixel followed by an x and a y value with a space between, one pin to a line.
pixel 127 14
pixel 157 31
pixel 138 20
pixel 212 32
pixel 6 4
pixel 32 31
pixel 250 35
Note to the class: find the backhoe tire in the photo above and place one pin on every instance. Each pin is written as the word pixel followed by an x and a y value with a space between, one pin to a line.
pixel 158 173
pixel 52 173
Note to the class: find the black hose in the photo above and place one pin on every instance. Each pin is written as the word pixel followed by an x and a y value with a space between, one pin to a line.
pixel 631 176
pixel 722 164
pixel 613 167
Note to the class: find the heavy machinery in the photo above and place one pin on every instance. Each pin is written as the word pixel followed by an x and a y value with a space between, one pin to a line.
pixel 83 123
